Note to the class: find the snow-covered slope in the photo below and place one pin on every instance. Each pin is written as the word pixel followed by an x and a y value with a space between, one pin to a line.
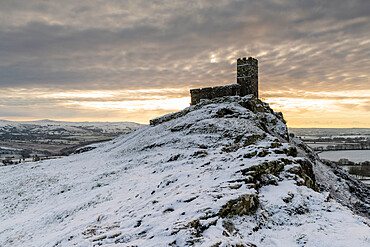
pixel 221 173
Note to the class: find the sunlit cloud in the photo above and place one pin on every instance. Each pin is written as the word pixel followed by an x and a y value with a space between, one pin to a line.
pixel 119 95
pixel 136 106
pixel 322 109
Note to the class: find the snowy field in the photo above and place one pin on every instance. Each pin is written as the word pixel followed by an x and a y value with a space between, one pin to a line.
pixel 352 155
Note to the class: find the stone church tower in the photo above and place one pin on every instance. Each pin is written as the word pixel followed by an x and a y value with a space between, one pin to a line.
pixel 246 78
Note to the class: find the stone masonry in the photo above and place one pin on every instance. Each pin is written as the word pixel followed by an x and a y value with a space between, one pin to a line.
pixel 213 92
pixel 247 76
pixel 247 83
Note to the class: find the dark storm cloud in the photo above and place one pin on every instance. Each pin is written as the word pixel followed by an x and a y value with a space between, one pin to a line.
pixel 316 45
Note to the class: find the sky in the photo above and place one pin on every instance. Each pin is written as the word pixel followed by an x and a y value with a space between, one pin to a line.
pixel 92 60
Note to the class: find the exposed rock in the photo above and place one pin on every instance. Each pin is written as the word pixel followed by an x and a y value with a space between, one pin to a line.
pixel 244 205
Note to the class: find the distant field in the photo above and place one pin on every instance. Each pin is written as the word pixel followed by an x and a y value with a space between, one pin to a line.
pixel 324 137
pixel 21 140
pixel 316 133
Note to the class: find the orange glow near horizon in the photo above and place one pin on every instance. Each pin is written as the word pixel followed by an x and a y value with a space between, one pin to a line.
pixel 321 113
pixel 345 109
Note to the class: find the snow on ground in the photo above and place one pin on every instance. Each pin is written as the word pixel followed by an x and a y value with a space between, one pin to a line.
pixel 165 186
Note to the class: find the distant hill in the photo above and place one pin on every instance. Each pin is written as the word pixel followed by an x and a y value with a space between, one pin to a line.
pixel 47 137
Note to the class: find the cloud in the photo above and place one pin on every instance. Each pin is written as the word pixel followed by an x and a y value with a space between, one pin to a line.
pixel 54 46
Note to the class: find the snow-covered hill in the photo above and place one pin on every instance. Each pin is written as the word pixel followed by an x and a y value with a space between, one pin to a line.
pixel 55 126
pixel 220 173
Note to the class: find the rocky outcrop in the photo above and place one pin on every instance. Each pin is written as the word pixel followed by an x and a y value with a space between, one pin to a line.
pixel 244 205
